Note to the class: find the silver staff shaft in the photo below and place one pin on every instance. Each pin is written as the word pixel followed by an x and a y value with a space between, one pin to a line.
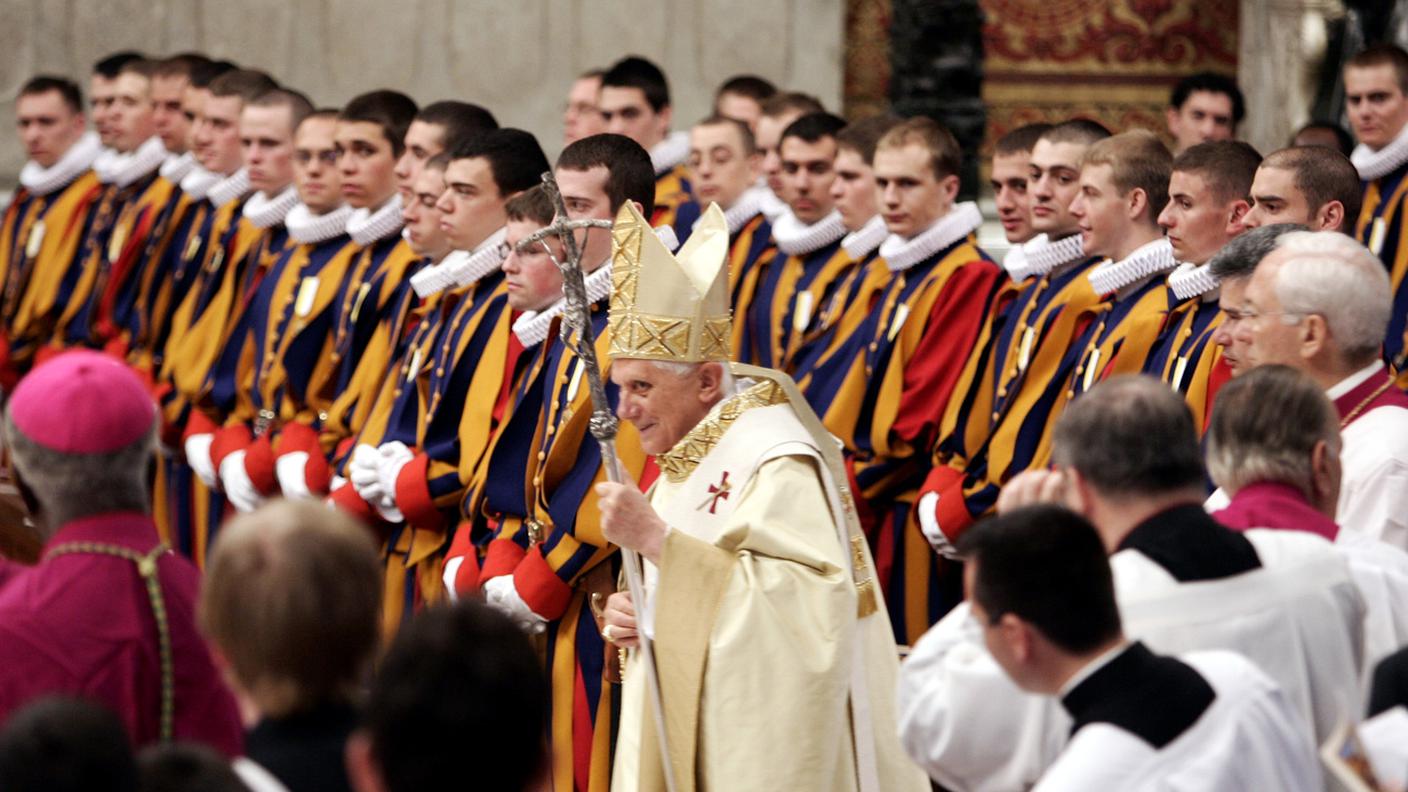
pixel 577 317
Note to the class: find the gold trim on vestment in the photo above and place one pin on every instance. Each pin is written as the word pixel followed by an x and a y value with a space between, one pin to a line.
pixel 680 461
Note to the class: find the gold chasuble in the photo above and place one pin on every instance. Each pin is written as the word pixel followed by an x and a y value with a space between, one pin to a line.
pixel 776 660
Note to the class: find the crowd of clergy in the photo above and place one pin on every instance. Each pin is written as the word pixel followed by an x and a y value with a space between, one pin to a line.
pixel 307 488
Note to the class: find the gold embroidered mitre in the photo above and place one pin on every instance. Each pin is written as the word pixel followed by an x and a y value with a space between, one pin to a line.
pixel 669 307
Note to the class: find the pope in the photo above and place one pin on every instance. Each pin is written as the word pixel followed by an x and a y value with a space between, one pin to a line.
pixel 763 623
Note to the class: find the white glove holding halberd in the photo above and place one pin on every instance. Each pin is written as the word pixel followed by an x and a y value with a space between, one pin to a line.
pixel 391 458
pixel 928 508
pixel 198 457
pixel 291 469
pixel 362 472
pixel 239 489
pixel 503 596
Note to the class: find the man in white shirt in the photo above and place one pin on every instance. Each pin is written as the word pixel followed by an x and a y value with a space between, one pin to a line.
pixel 1319 302
pixel 1041 590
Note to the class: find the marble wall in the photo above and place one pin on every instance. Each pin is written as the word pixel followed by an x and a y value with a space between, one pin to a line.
pixel 516 58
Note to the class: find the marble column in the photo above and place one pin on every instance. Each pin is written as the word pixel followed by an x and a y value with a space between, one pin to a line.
pixel 1281 49
pixel 936 59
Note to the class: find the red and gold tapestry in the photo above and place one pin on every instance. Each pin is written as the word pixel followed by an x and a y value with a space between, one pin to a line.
pixel 1111 60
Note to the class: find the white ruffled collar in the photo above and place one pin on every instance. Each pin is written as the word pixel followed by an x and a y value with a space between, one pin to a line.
pixel 671 151
pixel 265 212
pixel 900 254
pixel 79 158
pixel 666 235
pixel 366 226
pixel 796 239
pixel 1148 259
pixel 773 207
pixel 532 326
pixel 461 267
pixel 177 166
pixel 863 241
pixel 748 206
pixel 1039 256
pixel 306 228
pixel 198 181
pixel 124 169
pixel 230 188
pixel 1192 280
pixel 1377 164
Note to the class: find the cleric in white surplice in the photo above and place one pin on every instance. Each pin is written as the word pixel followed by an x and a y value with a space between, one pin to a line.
pixel 1040 589
pixel 1126 457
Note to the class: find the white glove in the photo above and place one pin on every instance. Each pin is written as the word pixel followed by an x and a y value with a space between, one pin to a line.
pixel 928 508
pixel 362 472
pixel 388 512
pixel 198 457
pixel 392 457
pixel 503 596
pixel 239 490
pixel 291 470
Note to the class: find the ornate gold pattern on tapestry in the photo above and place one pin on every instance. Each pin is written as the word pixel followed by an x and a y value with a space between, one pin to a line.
pixel 1110 60
pixel 866 78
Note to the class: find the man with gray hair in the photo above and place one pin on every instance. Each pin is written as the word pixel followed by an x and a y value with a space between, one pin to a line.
pixel 1319 302
pixel 1126 457
pixel 1274 446
pixel 1233 266
pixel 108 612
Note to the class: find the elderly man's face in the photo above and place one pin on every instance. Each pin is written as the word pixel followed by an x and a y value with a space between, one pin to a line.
pixel 1231 298
pixel 1270 335
pixel 663 405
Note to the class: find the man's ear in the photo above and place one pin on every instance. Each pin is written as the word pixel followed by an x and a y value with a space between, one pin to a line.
pixel 362 768
pixel 1137 204
pixel 1017 636
pixel 950 185
pixel 1315 335
pixel 711 381
pixel 755 165
pixel 1239 211
pixel 1078 494
pixel 31 501
pixel 1330 217
pixel 1325 472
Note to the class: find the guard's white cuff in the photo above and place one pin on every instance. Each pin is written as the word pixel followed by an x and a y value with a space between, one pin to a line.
pixel 291 469
pixel 449 573
pixel 503 595
pixel 198 457
pixel 239 490
pixel 928 509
